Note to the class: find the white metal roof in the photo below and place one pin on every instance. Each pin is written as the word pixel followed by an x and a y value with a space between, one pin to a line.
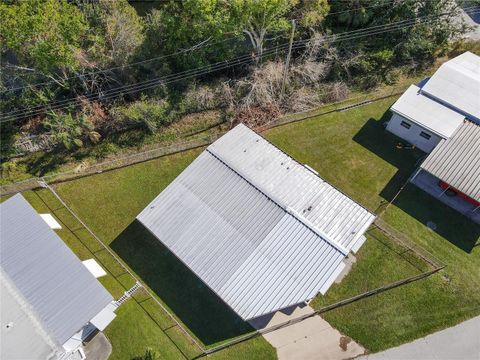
pixel 457 83
pixel 427 113
pixel 457 160
pixel 21 337
pixel 59 292
pixel 251 244
pixel 293 185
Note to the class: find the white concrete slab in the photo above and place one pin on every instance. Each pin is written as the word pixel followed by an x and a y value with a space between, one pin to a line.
pixel 312 338
pixel 94 268
pixel 103 318
pixel 50 220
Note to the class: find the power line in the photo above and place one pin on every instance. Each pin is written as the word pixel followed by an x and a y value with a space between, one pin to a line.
pixel 203 43
pixel 155 82
pixel 362 7
pixel 124 90
pixel 214 67
pixel 127 89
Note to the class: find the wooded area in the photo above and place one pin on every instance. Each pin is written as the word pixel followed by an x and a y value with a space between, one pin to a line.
pixel 77 72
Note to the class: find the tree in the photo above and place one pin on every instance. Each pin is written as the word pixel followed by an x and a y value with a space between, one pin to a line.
pixel 181 25
pixel 257 17
pixel 117 30
pixel 311 13
pixel 426 29
pixel 196 23
pixel 43 35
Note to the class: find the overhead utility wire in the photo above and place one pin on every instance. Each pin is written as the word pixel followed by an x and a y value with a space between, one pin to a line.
pixel 152 83
pixel 132 86
pixel 204 43
pixel 210 68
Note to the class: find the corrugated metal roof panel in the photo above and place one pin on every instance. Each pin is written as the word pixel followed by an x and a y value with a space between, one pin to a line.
pixel 61 292
pixel 457 83
pixel 428 113
pixel 293 185
pixel 20 335
pixel 457 160
pixel 244 246
pixel 245 239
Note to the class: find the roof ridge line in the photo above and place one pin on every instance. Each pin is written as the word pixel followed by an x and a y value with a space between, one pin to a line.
pixel 289 210
pixel 306 167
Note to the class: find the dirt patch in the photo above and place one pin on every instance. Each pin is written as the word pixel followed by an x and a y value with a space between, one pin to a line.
pixel 344 341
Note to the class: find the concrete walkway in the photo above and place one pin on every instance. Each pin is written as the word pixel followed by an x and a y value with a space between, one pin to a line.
pixel 461 342
pixel 98 348
pixel 310 339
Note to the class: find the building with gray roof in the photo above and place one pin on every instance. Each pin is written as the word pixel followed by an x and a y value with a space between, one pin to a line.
pixel 48 297
pixel 261 230
pixel 451 172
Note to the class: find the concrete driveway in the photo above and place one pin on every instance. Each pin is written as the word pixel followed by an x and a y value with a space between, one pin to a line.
pixel 461 342
pixel 98 348
pixel 310 339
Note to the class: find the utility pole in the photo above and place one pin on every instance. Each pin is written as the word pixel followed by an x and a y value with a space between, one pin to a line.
pixel 287 61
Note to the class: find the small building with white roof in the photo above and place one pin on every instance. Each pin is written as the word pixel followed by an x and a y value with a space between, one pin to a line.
pixel 261 230
pixel 49 300
pixel 425 115
pixel 456 84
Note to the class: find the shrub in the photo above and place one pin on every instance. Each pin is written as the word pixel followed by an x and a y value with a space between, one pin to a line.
pixel 255 116
pixel 263 88
pixel 207 97
pixel 70 131
pixel 308 72
pixel 103 150
pixel 334 92
pixel 145 114
pixel 303 99
pixel 198 99
pixel 148 355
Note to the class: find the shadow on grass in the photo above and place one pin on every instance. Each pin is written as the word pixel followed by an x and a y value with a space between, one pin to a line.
pixel 41 163
pixel 450 224
pixel 375 138
pixel 201 310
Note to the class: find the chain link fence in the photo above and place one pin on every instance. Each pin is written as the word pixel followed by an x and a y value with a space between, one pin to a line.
pixel 119 162
pixel 90 169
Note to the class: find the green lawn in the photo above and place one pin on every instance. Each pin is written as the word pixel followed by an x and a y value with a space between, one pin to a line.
pixel 352 151
pixel 141 323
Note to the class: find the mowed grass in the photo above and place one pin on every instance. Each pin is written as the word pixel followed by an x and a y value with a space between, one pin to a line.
pixel 353 152
pixel 140 323
pixel 350 150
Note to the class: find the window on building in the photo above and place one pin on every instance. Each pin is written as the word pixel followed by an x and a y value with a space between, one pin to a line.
pixel 424 135
pixel 406 124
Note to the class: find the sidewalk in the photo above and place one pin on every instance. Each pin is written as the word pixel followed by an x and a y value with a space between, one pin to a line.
pixel 310 339
pixel 461 342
